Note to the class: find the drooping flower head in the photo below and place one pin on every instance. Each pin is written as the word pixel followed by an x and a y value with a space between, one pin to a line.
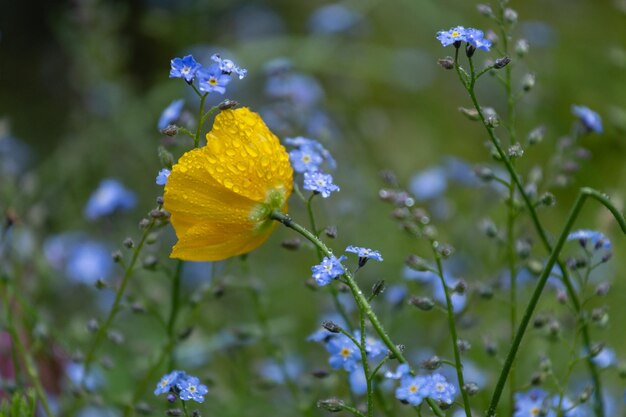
pixel 220 196
pixel 171 113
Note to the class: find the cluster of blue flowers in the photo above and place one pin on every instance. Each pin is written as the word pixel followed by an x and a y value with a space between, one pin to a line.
pixel 537 402
pixel 414 389
pixel 213 78
pixel 110 197
pixel 473 37
pixel 186 387
pixel 307 158
pixel 345 354
pixel 331 267
pixel 597 239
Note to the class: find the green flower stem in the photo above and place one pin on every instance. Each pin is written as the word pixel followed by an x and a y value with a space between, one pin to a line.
pixel 598 404
pixel 452 327
pixel 21 351
pixel 128 272
pixel 366 366
pixel 196 139
pixel 543 278
pixel 185 408
pixel 350 409
pixel 333 291
pixel 359 297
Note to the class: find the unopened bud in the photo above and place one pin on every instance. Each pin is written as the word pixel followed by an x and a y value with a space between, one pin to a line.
pixel 174 412
pixel 389 177
pixel 446 63
pixel 331 327
pixel 539 321
pixel 170 130
pixel 586 394
pixel 485 10
pixel 490 347
pixel 603 289
pixel 331 232
pixel 227 104
pixel 143 223
pixel 159 200
pixel 333 405
pixel 522 47
pixel 484 173
pixel 463 345
pixel 460 287
pixel 547 199
pixel 115 337
pixel 417 264
pixel 515 151
pixel 93 325
pixel 378 287
pixel 471 388
pixel 320 373
pixel 432 363
pixel 128 243
pixel 502 62
pixel 117 256
pixel 528 82
pixel 291 244
pixel 510 15
pixel 165 156
pixel 471 114
pixel 423 303
pixel 536 135
pixel 488 227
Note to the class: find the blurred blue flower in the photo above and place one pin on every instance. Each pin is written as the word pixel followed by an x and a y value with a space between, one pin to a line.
pixel 458 300
pixel 476 38
pixel 228 67
pixel 212 79
pixel 75 372
pixel 395 294
pixel 185 68
pixel 312 146
pixel 605 358
pixel 332 19
pixel 162 176
pixel 588 118
pixel 302 91
pixel 274 372
pixel 597 239
pixel 89 261
pixel 94 411
pixel 191 389
pixel 256 21
pixel 327 270
pixel 109 197
pixel 320 183
pixel 423 277
pixel 171 113
pixel 344 354
pixel 429 184
pixel 14 154
pixel 448 37
pixel 365 253
pixel 197 273
pixel 532 403
pixel 413 389
pixel 401 371
pixel 440 389
pixel 169 381
pixel 358 383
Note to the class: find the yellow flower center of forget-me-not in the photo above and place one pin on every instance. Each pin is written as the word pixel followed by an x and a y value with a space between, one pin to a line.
pixel 220 196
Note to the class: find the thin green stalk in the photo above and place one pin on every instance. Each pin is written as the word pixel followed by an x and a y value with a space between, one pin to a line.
pixel 196 139
pixel 185 408
pixel 543 278
pixel 510 225
pixel 366 369
pixel 128 272
pixel 359 297
pixel 458 365
pixel 20 350
pixel 598 404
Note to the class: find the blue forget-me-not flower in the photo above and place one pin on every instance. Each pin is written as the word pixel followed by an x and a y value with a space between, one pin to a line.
pixel 329 269
pixel 162 176
pixel 320 183
pixel 184 68
pixel 588 118
pixel 109 197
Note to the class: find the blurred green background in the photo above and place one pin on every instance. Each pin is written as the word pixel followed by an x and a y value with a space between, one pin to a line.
pixel 83 82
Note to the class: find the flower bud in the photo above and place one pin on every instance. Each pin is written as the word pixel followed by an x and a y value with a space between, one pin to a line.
pixel 378 287
pixel 528 82
pixel 431 363
pixel 117 256
pixel 333 405
pixel 227 104
pixel 510 15
pixel 471 114
pixel 471 388
pixel 515 151
pixel 417 264
pixel 536 135
pixel 522 47
pixel 485 10
pixel 331 327
pixel 331 232
pixel 166 157
pixel 501 62
pixel 423 303
pixel 170 130
pixel 446 63
pixel 291 244
pixel 547 199
pixel 128 243
pixel 484 173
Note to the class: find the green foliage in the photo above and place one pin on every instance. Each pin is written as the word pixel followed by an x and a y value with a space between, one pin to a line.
pixel 19 405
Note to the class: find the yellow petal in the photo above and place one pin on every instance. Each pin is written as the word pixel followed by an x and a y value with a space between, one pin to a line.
pixel 219 196
pixel 246 157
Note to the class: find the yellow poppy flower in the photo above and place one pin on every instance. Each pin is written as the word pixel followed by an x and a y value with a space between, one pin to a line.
pixel 220 195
